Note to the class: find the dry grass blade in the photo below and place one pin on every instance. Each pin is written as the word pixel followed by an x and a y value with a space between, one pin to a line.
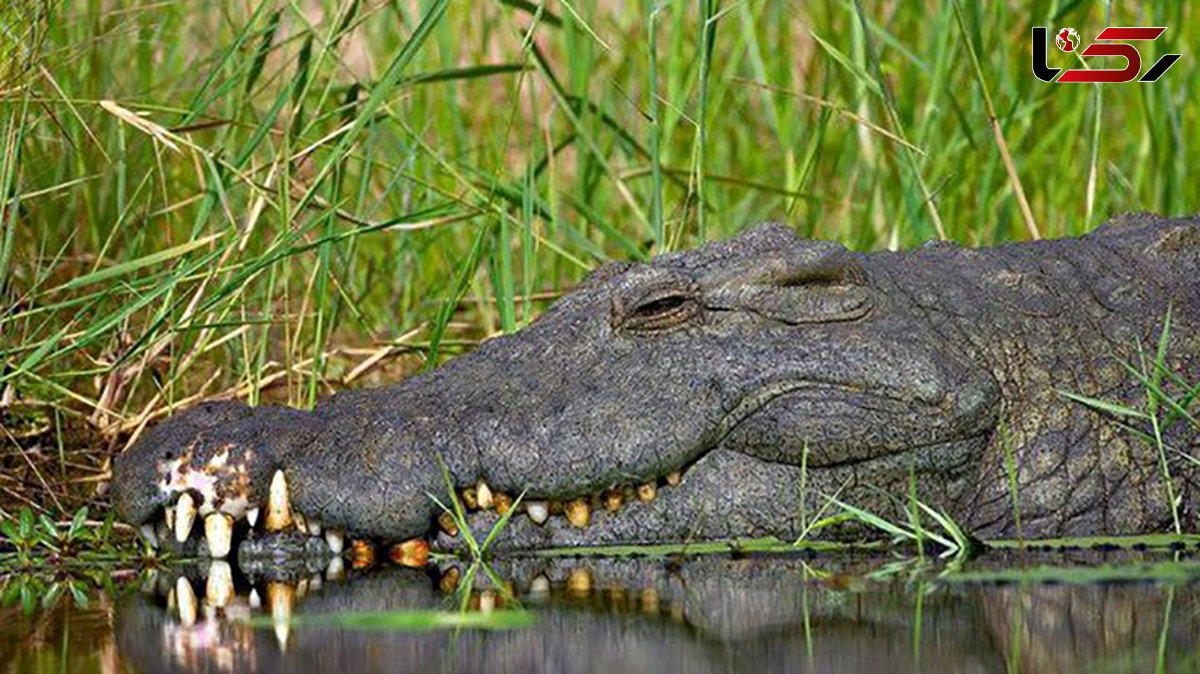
pixel 139 122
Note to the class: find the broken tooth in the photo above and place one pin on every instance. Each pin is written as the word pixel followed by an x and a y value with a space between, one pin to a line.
pixel 503 503
pixel 678 614
pixel 470 498
pixel 484 494
pixel 336 540
pixel 279 510
pixel 302 588
pixel 674 478
pixel 413 552
pixel 169 516
pixel 449 580
pixel 362 553
pixel 650 600
pixel 218 529
pixel 613 500
pixel 447 523
pixel 301 523
pixel 185 514
pixel 538 511
pixel 185 598
pixel 314 527
pixel 219 588
pixel 252 517
pixel 579 512
pixel 281 596
pixel 147 531
pixel 580 581
pixel 647 492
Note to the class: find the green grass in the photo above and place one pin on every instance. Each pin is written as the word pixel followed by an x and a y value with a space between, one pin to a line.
pixel 272 200
pixel 31 542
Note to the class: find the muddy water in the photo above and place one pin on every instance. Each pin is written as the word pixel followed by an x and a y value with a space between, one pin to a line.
pixel 823 613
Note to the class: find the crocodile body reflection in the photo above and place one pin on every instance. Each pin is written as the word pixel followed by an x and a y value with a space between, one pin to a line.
pixel 707 614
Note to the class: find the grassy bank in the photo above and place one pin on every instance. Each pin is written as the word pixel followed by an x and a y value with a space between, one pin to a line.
pixel 272 200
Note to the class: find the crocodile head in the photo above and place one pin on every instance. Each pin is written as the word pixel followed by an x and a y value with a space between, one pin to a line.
pixel 728 391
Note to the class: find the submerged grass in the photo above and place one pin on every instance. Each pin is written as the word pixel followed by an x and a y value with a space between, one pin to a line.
pixel 408 621
pixel 269 201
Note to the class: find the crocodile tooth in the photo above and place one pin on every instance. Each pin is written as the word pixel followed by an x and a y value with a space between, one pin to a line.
pixel 362 554
pixel 314 527
pixel 301 522
pixel 580 581
pixel 252 517
pixel 678 613
pixel 647 492
pixel 185 598
pixel 539 587
pixel 218 529
pixel 336 569
pixel 254 599
pixel 487 601
pixel 484 494
pixel 579 512
pixel 447 523
pixel 449 580
pixel 674 478
pixel 413 552
pixel 147 531
pixel 218 590
pixel 650 600
pixel 538 511
pixel 470 498
pixel 185 514
pixel 336 540
pixel 279 511
pixel 613 500
pixel 503 503
pixel 281 596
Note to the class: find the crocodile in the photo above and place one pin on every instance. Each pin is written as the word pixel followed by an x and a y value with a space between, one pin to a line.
pixel 752 387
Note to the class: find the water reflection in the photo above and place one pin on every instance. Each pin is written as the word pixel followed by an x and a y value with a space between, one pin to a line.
pixel 709 614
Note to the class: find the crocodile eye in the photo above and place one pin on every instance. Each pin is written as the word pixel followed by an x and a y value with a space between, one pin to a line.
pixel 660 307
pixel 658 312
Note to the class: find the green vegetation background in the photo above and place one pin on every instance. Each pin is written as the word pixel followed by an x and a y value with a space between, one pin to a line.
pixel 271 200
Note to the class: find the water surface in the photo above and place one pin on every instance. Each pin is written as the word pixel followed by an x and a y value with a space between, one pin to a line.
pixel 1005 612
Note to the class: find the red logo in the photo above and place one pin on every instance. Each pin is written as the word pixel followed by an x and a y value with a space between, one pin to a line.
pixel 1068 41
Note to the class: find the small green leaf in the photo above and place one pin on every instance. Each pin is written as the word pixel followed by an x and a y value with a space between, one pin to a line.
pixel 77 523
pixel 1105 406
pixel 49 526
pixel 81 599
pixel 25 525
